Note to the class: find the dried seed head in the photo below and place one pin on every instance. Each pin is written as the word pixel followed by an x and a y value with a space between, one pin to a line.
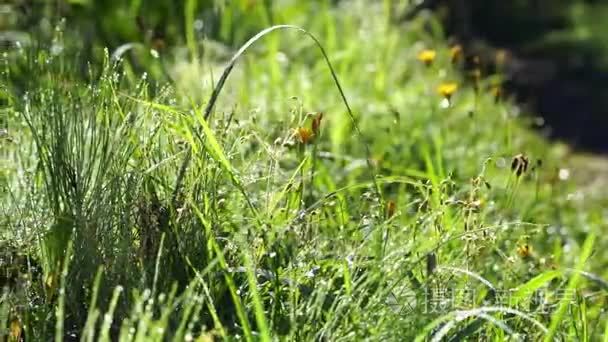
pixel 502 56
pixel 316 123
pixel 455 53
pixel 496 92
pixel 391 207
pixel 431 263
pixel 519 164
pixel 476 77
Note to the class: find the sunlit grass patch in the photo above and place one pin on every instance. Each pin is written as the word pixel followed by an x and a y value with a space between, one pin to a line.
pixel 295 193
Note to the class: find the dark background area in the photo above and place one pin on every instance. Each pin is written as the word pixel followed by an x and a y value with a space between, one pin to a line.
pixel 557 59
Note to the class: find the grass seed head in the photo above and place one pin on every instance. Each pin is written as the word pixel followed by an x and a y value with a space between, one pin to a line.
pixel 391 207
pixel 519 164
pixel 316 123
pixel 496 92
pixel 502 56
pixel 455 53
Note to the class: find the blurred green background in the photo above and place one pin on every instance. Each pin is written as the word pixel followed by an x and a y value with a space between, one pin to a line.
pixel 560 47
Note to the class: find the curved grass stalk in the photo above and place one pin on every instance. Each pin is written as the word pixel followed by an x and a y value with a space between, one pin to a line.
pixel 451 324
pixel 222 80
pixel 456 316
pixel 468 273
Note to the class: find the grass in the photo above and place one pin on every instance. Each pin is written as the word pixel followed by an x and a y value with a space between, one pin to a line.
pixel 187 206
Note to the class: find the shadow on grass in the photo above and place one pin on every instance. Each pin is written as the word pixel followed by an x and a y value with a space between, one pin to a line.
pixel 556 72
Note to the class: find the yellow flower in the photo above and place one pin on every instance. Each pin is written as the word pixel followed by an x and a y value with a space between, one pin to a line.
pixel 304 135
pixel 447 89
pixel 455 53
pixel 427 56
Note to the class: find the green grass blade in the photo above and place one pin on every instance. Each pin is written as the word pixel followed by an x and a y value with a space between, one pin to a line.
pixel 532 285
pixel 558 316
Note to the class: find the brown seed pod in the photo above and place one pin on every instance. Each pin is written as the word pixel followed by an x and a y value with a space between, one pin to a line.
pixel 431 263
pixel 316 123
pixel 391 206
pixel 519 164
pixel 455 53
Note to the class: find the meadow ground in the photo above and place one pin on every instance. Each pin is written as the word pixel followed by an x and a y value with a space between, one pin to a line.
pixel 350 181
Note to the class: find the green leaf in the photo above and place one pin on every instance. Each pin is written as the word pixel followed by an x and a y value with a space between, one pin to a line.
pixel 532 285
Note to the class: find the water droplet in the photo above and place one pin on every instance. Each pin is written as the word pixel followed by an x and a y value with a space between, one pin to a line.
pixel 56 49
pixel 199 24
pixel 564 174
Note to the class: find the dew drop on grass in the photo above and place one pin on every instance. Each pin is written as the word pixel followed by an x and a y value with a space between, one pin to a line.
pixel 56 49
pixel 564 174
pixel 199 24
pixel 282 58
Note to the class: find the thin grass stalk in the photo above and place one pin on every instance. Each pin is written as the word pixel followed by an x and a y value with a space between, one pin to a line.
pixel 222 80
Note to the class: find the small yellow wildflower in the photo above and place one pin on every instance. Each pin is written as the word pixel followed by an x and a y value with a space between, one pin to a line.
pixel 427 56
pixel 447 89
pixel 455 53
pixel 304 135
